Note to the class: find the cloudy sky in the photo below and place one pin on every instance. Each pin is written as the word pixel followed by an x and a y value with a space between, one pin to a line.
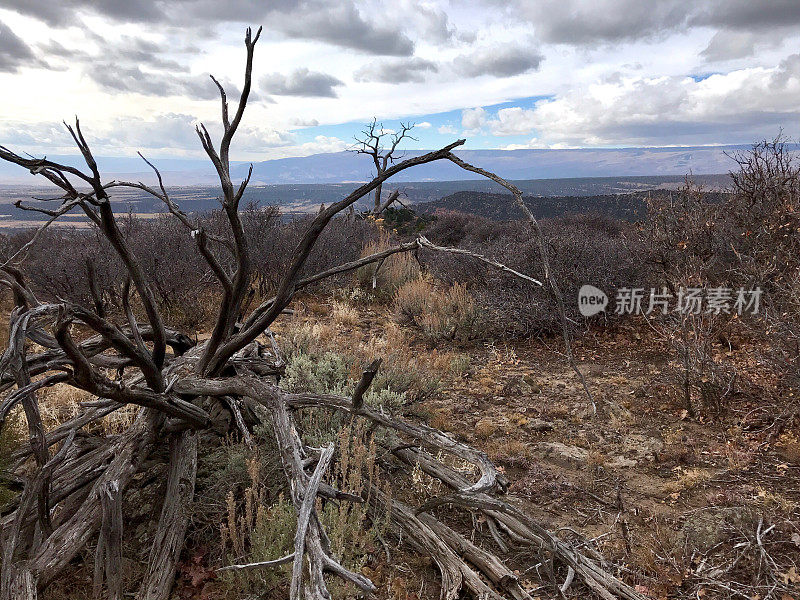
pixel 504 74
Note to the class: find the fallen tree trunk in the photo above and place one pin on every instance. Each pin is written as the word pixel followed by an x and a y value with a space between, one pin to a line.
pixel 72 535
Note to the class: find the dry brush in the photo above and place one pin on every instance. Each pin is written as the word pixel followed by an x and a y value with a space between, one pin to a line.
pixel 75 481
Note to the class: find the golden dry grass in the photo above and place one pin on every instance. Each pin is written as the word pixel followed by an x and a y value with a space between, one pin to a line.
pixel 441 313
pixel 343 314
pixel 395 270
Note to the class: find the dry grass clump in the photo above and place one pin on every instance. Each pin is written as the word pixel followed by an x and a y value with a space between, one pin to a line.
pixel 392 273
pixel 403 371
pixel 344 315
pixel 412 301
pixel 442 314
pixel 460 365
pixel 510 452
pixel 688 479
pixel 62 402
pixel 257 526
pixel 485 428
pixel 454 315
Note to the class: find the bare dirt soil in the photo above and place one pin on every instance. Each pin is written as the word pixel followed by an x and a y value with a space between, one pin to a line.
pixel 684 507
pixel 699 507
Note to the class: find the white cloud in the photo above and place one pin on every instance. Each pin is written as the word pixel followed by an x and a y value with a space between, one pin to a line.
pixel 322 144
pixel 423 125
pixel 473 119
pixel 730 107
pixel 533 143
pixel 513 121
pixel 615 72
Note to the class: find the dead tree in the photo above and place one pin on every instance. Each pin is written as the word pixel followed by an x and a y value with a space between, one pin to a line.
pixel 75 481
pixel 382 147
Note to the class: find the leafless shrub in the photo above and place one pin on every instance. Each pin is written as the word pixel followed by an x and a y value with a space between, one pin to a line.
pixel 583 249
pixel 748 241
pixel 765 231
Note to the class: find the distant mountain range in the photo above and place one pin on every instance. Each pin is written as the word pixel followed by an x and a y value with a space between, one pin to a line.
pixel 349 167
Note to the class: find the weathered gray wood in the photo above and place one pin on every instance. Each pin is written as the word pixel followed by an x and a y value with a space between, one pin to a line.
pixel 363 384
pixel 129 451
pixel 316 543
pixel 23 586
pixel 108 556
pixel 303 518
pixel 455 573
pixel 168 541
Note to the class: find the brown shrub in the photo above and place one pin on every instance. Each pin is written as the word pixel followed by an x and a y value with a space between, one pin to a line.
pixel 582 249
pixel 441 314
pixel 382 279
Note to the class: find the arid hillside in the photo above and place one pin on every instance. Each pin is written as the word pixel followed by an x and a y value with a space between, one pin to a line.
pixel 229 404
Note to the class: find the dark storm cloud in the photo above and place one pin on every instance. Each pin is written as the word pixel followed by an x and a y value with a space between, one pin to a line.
pixel 339 23
pixel 66 12
pixel 501 61
pixel 14 53
pixel 119 79
pixel 343 25
pixel 745 15
pixel 581 23
pixel 403 70
pixel 578 22
pixel 301 82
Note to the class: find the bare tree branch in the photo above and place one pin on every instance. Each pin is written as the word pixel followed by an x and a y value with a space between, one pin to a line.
pixel 548 275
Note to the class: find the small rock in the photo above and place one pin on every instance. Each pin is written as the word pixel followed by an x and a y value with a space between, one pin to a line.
pixel 524 385
pixel 642 447
pixel 712 526
pixel 485 428
pixel 558 452
pixel 620 462
pixel 538 425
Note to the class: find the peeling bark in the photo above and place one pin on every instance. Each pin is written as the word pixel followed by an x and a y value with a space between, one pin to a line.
pixel 168 540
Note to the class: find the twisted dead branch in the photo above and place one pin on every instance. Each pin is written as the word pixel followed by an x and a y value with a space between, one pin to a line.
pixel 73 498
pixel 548 274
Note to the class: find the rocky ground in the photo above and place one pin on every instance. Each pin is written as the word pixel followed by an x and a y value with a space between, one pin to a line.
pixel 704 506
pixel 684 507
